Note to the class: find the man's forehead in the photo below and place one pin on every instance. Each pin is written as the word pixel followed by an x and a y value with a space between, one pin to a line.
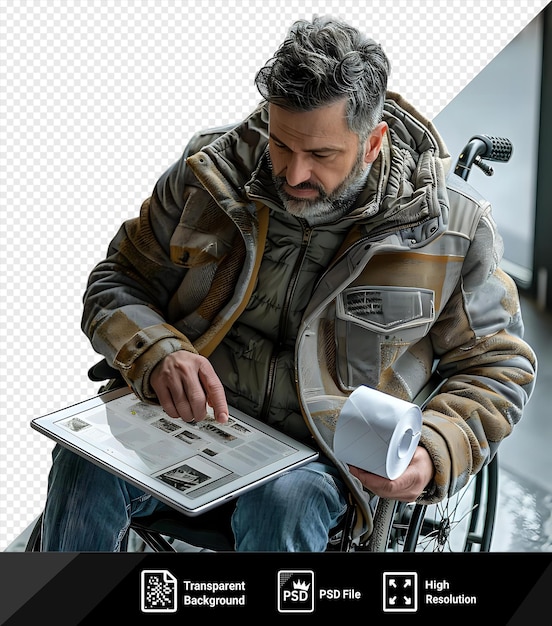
pixel 325 125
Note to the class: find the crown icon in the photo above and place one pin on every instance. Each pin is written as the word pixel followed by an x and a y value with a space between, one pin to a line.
pixel 299 584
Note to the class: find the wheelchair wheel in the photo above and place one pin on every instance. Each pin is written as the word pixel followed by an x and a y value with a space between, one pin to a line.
pixel 462 523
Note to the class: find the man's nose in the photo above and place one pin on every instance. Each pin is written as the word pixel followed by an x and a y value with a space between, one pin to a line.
pixel 298 170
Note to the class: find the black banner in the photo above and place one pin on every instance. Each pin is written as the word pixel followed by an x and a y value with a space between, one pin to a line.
pixel 70 589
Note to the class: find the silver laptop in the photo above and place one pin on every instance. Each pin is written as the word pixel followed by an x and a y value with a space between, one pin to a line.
pixel 191 468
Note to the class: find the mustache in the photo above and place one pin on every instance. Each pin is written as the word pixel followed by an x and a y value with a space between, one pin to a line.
pixel 280 181
pixel 305 185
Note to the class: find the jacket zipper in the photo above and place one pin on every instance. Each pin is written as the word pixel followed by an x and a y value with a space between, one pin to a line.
pixel 284 318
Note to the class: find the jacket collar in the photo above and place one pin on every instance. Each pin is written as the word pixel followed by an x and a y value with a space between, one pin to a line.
pixel 406 185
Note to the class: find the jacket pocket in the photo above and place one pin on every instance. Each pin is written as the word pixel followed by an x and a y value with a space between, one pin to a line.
pixel 374 326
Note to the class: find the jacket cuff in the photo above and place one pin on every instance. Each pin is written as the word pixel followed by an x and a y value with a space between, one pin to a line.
pixel 146 349
pixel 448 449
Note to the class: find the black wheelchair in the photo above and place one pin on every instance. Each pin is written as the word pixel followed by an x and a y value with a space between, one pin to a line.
pixel 461 523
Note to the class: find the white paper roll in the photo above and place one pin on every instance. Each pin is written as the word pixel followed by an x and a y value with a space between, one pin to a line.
pixel 377 432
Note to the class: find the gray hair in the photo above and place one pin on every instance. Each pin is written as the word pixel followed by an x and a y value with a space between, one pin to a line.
pixel 323 61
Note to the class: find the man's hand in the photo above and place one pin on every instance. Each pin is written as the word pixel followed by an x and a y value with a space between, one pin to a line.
pixel 185 383
pixel 406 487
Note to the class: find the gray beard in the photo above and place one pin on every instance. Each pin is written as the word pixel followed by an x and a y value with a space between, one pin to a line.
pixel 327 207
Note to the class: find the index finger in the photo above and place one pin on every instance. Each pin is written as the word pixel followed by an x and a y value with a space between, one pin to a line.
pixel 214 392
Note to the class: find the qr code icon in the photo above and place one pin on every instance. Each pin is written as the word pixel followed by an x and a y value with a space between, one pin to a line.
pixel 158 591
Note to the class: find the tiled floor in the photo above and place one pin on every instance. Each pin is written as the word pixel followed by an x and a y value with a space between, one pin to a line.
pixel 524 514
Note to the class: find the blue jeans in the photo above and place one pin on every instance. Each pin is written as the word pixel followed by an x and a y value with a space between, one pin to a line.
pixel 89 510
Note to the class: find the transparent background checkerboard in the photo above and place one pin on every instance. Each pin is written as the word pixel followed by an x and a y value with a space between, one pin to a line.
pixel 97 99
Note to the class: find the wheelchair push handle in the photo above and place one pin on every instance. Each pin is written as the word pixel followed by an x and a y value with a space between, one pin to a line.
pixel 481 148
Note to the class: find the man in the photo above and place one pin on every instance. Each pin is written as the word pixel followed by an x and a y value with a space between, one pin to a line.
pixel 315 247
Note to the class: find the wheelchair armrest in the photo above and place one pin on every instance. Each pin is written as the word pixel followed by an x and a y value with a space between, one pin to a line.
pixel 429 390
pixel 103 371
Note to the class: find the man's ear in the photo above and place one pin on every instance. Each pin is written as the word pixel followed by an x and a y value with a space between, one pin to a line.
pixel 374 142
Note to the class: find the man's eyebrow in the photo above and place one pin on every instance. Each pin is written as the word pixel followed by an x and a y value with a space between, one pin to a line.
pixel 314 150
